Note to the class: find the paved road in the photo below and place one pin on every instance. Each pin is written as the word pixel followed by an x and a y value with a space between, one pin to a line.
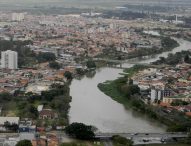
pixel 143 138
pixel 108 143
pixel 160 135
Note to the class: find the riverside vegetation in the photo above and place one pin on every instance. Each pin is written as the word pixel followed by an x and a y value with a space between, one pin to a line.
pixel 123 91
pixel 25 104
pixel 167 44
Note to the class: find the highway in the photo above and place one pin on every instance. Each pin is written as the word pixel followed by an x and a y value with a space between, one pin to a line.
pixel 167 134
pixel 144 138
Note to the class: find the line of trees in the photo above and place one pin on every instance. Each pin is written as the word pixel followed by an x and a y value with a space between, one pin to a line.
pixel 174 59
pixel 80 131
pixel 26 57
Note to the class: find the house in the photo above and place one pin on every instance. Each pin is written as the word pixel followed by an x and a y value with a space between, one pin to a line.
pixel 175 98
pixel 47 114
pixel 27 125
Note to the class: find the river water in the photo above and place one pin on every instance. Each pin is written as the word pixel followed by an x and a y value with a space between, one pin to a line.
pixel 90 106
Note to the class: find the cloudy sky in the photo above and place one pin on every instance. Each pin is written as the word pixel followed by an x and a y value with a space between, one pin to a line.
pixel 96 3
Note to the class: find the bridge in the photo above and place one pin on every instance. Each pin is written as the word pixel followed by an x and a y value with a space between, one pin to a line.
pixel 124 64
pixel 143 138
pixel 113 61
pixel 144 135
pixel 119 64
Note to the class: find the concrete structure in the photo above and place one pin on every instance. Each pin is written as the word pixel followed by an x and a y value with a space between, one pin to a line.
pixel 27 125
pixel 18 16
pixel 9 59
pixel 159 93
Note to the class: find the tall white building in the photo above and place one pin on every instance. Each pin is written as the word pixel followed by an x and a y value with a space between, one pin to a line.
pixel 9 59
pixel 18 16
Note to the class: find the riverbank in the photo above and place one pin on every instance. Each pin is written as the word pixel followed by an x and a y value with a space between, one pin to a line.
pixel 121 91
pixel 167 44
pixel 104 112
pixel 111 89
pixel 114 89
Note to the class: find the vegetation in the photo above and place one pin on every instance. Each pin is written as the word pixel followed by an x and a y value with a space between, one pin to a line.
pixel 125 93
pixel 90 64
pixel 11 127
pixel 168 43
pixel 124 15
pixel 54 65
pixel 26 57
pixel 110 52
pixel 24 143
pixel 136 68
pixel 83 143
pixel 179 103
pixel 25 105
pixel 45 57
pixel 80 71
pixel 121 141
pixel 174 59
pixel 68 75
pixel 80 131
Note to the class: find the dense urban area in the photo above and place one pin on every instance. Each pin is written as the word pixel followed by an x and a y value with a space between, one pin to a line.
pixel 84 76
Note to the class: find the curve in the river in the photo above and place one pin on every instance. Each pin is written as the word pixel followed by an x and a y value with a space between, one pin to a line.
pixel 90 106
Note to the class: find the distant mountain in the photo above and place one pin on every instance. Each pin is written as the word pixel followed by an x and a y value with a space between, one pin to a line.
pixel 93 3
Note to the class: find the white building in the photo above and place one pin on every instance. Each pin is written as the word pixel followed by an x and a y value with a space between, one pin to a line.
pixel 9 59
pixel 158 93
pixel 18 16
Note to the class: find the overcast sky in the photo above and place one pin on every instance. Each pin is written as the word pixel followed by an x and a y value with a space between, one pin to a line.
pixel 96 3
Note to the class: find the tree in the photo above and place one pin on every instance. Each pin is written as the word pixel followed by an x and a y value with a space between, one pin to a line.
pixel 69 144
pixel 179 103
pixel 168 43
pixel 80 71
pixel 129 90
pixel 44 57
pixel 90 64
pixel 54 65
pixel 122 141
pixel 68 75
pixel 130 82
pixel 80 131
pixel 186 58
pixel 24 143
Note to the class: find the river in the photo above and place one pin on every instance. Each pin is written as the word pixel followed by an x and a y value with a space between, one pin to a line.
pixel 90 106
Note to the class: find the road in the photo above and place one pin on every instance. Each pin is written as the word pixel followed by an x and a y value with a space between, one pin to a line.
pixel 142 138
pixel 137 138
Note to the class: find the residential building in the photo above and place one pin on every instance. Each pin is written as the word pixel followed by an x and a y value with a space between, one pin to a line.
pixel 175 98
pixel 158 93
pixel 27 125
pixel 18 16
pixel 9 59
pixel 47 114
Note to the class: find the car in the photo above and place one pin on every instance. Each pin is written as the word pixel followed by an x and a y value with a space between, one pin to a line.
pixel 162 140
pixel 146 134
pixel 145 140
